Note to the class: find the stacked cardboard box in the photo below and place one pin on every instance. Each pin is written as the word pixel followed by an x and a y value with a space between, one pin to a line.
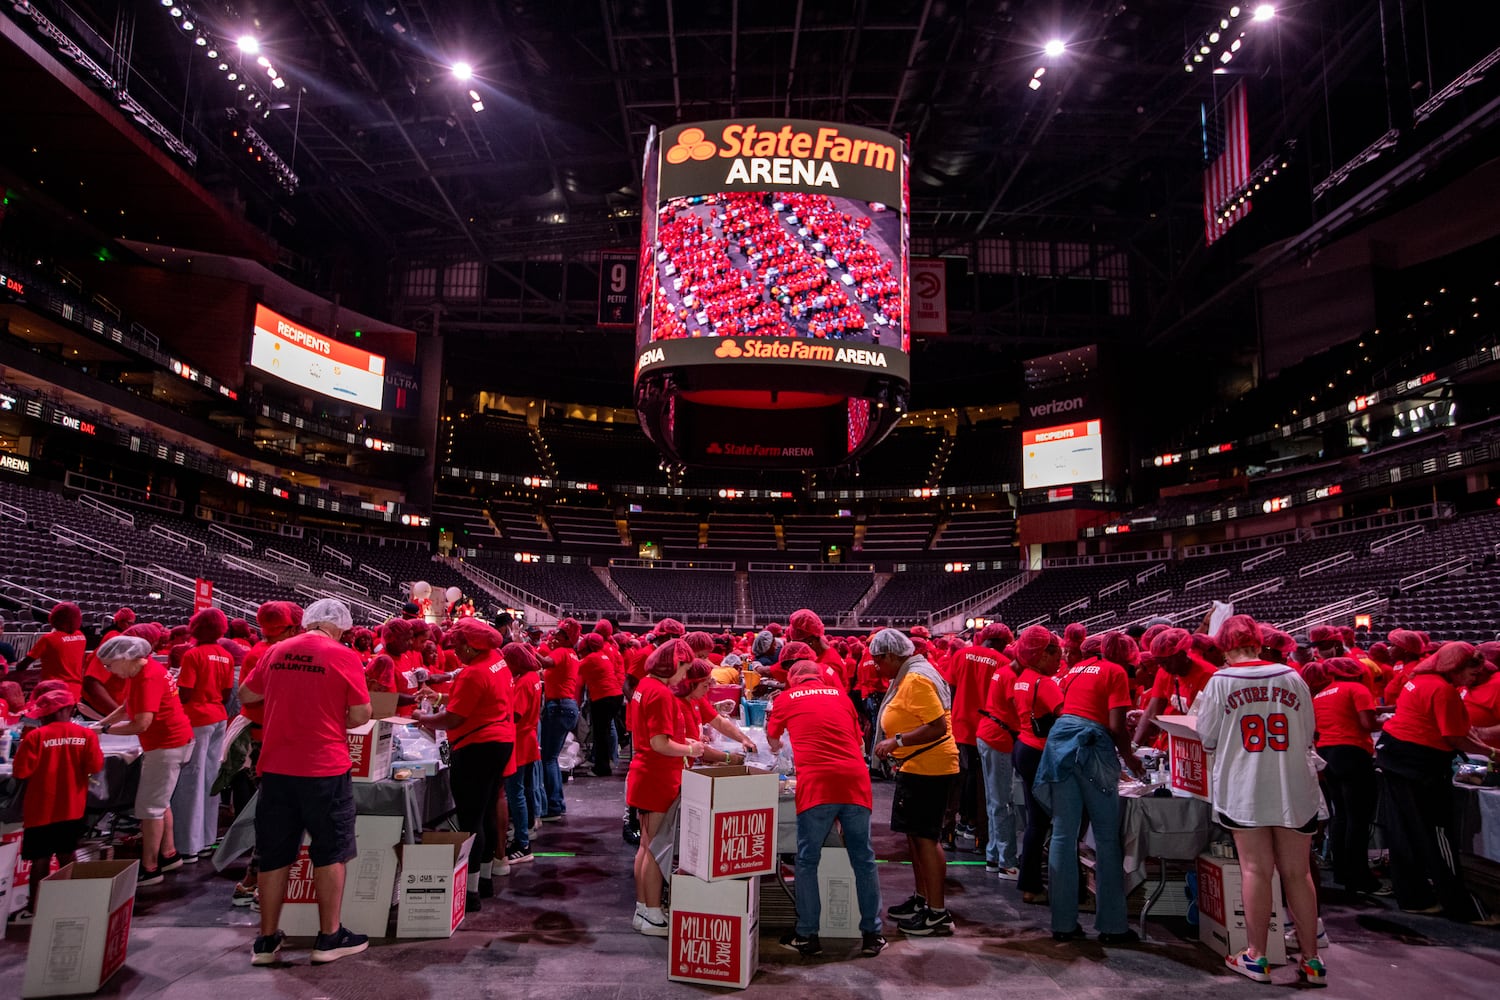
pixel 726 841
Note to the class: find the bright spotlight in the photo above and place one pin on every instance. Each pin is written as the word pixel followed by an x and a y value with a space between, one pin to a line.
pixel 1055 48
pixel 249 45
pixel 462 71
pixel 1264 12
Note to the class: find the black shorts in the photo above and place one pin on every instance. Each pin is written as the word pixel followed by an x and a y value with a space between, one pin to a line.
pixel 1311 826
pixel 38 843
pixel 289 806
pixel 920 801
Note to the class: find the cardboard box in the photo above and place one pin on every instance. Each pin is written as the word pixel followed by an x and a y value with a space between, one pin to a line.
pixel 715 931
pixel 840 918
pixel 370 745
pixel 728 823
pixel 1221 910
pixel 9 887
pixel 368 884
pixel 82 928
pixel 1192 765
pixel 434 885
pixel 19 870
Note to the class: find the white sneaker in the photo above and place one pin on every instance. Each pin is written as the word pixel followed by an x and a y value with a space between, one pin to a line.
pixel 635 921
pixel 1294 946
pixel 499 869
pixel 1008 874
pixel 651 928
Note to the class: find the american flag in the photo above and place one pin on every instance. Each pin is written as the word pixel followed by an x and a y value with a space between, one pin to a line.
pixel 1226 147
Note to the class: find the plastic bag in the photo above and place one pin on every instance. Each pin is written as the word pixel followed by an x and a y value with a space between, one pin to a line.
pixel 570 755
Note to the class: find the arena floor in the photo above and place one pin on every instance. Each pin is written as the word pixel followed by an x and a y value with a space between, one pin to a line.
pixel 561 928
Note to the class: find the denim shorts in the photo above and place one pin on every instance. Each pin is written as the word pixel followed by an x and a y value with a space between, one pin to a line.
pixel 290 806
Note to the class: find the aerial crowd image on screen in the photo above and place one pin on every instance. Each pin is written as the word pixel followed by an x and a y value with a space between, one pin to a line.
pixel 778 264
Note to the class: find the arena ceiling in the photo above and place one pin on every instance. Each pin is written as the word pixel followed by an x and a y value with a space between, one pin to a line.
pixel 537 155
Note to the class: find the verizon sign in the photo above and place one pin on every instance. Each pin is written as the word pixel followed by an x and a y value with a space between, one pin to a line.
pixel 1056 406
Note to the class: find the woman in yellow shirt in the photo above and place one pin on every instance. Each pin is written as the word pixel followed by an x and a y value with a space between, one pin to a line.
pixel 728 672
pixel 915 730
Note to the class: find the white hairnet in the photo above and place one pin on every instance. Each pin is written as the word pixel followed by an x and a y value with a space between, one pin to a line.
pixel 733 660
pixel 124 647
pixel 892 641
pixel 329 611
pixel 764 643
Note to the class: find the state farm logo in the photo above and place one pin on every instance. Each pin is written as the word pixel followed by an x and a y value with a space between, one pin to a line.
pixel 759 450
pixel 728 349
pixel 692 144
pixel 714 449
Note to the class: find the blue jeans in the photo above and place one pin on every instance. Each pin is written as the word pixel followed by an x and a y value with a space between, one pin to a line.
pixel 812 829
pixel 1071 800
pixel 559 717
pixel 997 767
pixel 520 789
pixel 534 790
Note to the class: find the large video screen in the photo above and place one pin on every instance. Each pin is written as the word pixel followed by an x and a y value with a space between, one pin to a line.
pixel 771 228
pixel 1062 455
pixel 296 354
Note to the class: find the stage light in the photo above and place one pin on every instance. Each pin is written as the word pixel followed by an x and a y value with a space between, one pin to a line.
pixel 248 45
pixel 187 25
pixel 1055 47
pixel 278 83
pixel 1264 12
pixel 223 67
pixel 1035 84
pixel 263 62
pixel 200 41
pixel 176 12
pixel 213 53
pixel 233 77
pixel 462 71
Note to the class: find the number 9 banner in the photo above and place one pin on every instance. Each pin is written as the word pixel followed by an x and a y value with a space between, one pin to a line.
pixel 617 287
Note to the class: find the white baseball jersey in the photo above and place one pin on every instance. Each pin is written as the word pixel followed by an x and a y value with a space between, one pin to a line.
pixel 1258 720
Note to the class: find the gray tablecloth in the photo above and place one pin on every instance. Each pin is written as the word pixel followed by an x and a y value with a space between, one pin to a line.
pixel 421 802
pixel 1174 828
pixel 1479 820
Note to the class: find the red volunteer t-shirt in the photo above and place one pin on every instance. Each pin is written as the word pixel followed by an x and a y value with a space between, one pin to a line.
pixel 1034 696
pixel 826 739
pixel 526 708
pixel 57 760
pixel 696 713
pixel 153 690
pixel 206 673
pixel 482 695
pixel 635 660
pixel 969 672
pixel 1337 709
pixel 654 779
pixel 869 679
pixel 1181 692
pixel 256 712
pixel 833 669
pixel 997 703
pixel 1094 687
pixel 309 683
pixel 61 658
pixel 114 684
pixel 1482 701
pixel 1428 710
pixel 560 678
pixel 599 676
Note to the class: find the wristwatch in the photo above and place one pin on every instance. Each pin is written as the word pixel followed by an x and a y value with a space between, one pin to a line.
pixel 898 740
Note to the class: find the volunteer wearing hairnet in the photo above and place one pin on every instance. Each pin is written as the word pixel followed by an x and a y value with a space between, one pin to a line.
pixel 314 691
pixel 914 728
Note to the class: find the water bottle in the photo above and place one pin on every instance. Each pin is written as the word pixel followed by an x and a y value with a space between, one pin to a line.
pixel 5 744
pixel 425 706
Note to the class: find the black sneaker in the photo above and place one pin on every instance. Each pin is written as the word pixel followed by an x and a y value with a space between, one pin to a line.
pixel 1076 934
pixel 471 902
pixel 631 834
pixel 928 923
pixel 872 945
pixel 267 949
pixel 519 855
pixel 554 818
pixel 1126 936
pixel 913 905
pixel 170 864
pixel 340 944
pixel 150 876
pixel 807 947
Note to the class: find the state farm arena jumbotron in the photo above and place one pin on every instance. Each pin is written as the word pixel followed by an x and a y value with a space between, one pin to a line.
pixel 1082 319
